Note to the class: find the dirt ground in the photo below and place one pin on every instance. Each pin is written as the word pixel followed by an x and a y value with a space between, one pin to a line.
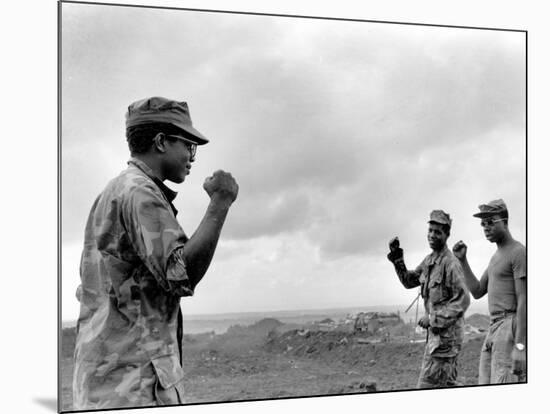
pixel 322 364
pixel 249 364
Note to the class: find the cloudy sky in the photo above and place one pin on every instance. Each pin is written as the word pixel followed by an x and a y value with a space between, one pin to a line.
pixel 340 134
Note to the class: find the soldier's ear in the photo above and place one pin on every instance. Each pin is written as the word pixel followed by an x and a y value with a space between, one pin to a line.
pixel 159 142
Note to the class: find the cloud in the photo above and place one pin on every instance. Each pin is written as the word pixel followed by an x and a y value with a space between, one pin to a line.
pixel 340 134
pixel 268 215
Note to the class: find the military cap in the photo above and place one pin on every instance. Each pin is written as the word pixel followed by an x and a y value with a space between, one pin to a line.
pixel 492 208
pixel 440 217
pixel 158 109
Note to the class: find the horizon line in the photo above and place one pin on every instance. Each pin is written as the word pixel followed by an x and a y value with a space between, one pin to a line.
pixel 289 310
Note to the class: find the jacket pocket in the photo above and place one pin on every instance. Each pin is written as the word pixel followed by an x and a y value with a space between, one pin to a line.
pixel 436 290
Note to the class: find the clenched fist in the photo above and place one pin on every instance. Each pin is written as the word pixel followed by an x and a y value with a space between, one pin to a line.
pixel 424 322
pixel 396 252
pixel 221 184
pixel 459 250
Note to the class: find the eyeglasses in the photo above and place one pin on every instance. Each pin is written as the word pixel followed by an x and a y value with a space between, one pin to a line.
pixel 191 146
pixel 490 222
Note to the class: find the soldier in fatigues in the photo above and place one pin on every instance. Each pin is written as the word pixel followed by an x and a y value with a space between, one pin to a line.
pixel 445 301
pixel 137 263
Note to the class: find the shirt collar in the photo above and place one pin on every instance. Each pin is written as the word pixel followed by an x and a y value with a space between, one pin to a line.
pixel 170 194
pixel 435 257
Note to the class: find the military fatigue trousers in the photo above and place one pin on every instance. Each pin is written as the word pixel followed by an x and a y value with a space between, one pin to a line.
pixel 437 371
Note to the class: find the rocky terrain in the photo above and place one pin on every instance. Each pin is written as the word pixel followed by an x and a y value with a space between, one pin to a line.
pixel 269 359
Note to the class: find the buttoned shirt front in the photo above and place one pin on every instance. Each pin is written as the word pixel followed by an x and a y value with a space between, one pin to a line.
pixel 446 299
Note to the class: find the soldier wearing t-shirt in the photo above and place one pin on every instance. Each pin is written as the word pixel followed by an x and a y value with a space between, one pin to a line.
pixel 505 283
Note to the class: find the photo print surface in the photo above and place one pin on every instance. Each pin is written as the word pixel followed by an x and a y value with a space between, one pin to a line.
pixel 270 274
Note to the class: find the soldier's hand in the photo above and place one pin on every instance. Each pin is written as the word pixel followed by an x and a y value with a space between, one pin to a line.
pixel 221 184
pixel 394 243
pixel 396 252
pixel 519 364
pixel 459 250
pixel 424 322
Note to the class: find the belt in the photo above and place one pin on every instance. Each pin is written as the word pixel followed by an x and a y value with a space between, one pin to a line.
pixel 500 315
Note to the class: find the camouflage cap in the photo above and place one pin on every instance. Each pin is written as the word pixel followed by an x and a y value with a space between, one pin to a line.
pixel 158 109
pixel 492 208
pixel 440 217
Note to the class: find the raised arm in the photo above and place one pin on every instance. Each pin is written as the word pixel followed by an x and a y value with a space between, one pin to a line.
pixel 199 250
pixel 408 278
pixel 176 262
pixel 478 288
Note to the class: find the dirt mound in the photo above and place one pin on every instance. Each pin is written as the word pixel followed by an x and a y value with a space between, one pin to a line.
pixel 262 327
pixel 349 349
pixel 306 342
pixel 327 321
pixel 354 387
pixel 391 365
pixel 266 325
pixel 238 337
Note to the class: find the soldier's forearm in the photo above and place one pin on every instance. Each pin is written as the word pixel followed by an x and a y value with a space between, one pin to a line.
pixel 521 336
pixel 199 249
pixel 409 279
pixel 471 280
pixel 521 321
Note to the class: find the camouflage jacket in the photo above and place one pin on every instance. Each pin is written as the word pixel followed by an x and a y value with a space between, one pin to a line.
pixel 446 299
pixel 132 277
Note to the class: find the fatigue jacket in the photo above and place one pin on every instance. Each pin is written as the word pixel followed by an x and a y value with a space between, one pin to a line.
pixel 132 277
pixel 446 299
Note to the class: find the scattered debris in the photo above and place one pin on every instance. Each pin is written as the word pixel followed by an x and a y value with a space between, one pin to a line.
pixel 372 322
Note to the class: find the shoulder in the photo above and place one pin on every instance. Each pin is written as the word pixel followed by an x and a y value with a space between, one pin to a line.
pixel 450 262
pixel 427 259
pixel 134 178
pixel 519 247
pixel 516 251
pixel 447 257
pixel 132 190
pixel 133 184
